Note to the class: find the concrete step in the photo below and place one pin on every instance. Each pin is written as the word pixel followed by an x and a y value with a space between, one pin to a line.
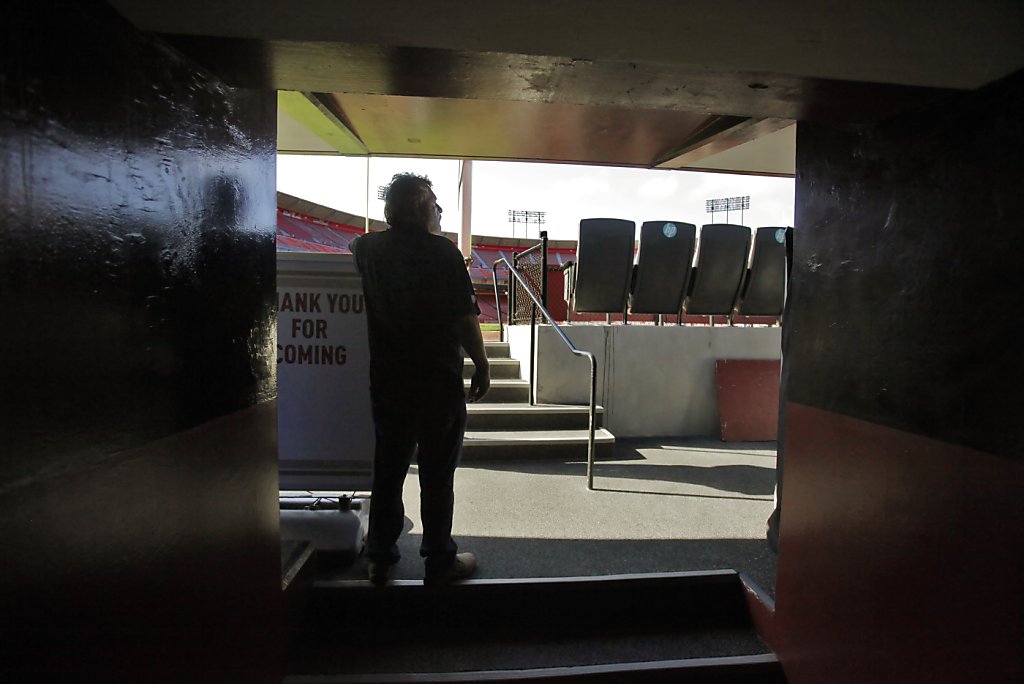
pixel 568 445
pixel 505 390
pixel 496 350
pixel 671 627
pixel 501 369
pixel 761 668
pixel 504 416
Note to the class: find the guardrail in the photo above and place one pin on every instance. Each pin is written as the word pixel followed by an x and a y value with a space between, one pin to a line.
pixel 531 263
pixel 538 306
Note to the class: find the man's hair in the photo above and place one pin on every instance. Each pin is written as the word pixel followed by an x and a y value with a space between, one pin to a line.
pixel 407 199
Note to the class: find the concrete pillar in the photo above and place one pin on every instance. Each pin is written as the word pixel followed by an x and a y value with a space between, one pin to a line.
pixel 137 437
pixel 466 199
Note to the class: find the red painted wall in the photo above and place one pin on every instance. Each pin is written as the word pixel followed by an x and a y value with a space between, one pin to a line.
pixel 748 399
pixel 557 305
pixel 900 558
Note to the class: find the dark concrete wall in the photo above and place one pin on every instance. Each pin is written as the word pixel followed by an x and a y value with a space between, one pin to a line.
pixel 137 267
pixel 902 526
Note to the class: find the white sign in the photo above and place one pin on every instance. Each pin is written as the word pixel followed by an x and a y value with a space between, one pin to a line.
pixel 325 424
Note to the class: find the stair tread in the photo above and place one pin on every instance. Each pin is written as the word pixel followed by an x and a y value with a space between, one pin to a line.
pixel 523 407
pixel 503 382
pixel 481 437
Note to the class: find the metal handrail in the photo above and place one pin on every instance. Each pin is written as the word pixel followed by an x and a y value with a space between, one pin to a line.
pixel 530 249
pixel 533 361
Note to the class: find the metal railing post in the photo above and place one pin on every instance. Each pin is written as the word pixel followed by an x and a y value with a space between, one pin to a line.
pixel 593 422
pixel 533 354
pixel 544 269
pixel 512 295
pixel 497 301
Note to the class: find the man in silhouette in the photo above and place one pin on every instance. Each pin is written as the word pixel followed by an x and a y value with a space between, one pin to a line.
pixel 420 309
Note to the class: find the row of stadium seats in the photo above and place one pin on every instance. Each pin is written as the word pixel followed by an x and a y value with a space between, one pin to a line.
pixel 718 270
pixel 665 278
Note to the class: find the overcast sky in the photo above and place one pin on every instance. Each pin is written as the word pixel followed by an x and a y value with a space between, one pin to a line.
pixel 566 192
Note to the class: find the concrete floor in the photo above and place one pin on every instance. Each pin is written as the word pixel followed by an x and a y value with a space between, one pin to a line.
pixel 660 505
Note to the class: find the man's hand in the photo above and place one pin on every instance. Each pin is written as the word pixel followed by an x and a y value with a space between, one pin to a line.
pixel 467 329
pixel 479 384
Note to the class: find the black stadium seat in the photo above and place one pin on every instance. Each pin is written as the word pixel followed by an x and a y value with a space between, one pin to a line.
pixel 663 267
pixel 721 264
pixel 604 265
pixel 765 290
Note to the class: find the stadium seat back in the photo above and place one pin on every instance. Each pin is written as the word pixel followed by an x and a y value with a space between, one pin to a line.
pixel 663 267
pixel 604 265
pixel 765 290
pixel 721 264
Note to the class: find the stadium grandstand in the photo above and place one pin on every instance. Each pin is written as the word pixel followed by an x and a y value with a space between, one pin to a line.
pixel 304 226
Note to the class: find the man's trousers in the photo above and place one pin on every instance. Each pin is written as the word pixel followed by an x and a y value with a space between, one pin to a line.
pixel 432 431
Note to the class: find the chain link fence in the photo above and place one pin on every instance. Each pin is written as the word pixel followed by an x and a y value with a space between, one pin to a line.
pixel 532 264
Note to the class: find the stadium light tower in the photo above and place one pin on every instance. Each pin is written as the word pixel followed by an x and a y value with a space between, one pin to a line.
pixel 728 204
pixel 522 216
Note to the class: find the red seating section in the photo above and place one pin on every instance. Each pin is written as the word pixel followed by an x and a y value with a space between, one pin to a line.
pixel 297 233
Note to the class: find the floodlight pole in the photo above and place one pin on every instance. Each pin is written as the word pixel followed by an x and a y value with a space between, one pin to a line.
pixel 728 204
pixel 526 217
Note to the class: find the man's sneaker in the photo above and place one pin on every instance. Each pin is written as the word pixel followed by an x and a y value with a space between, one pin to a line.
pixel 379 572
pixel 462 567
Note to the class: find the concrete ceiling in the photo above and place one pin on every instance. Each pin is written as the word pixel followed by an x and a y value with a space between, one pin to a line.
pixel 709 84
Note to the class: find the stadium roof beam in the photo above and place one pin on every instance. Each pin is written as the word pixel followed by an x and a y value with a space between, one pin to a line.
pixel 722 134
pixel 911 42
pixel 305 125
pixel 637 84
